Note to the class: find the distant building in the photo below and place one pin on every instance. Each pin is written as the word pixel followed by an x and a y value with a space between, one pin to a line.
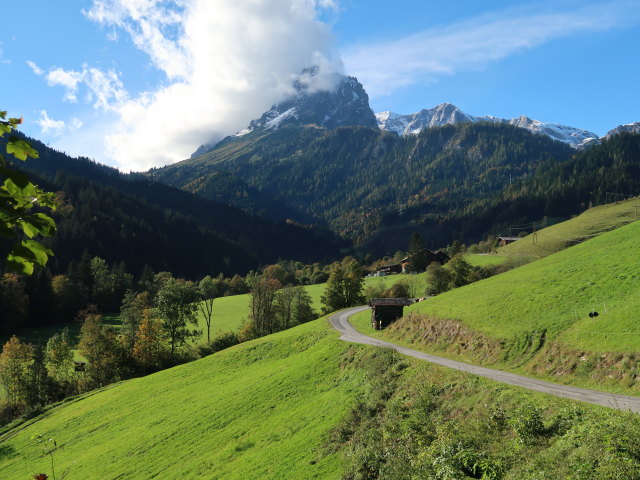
pixel 384 311
pixel 502 241
pixel 404 266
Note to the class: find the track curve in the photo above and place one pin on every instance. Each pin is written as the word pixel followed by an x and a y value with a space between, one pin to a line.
pixel 340 321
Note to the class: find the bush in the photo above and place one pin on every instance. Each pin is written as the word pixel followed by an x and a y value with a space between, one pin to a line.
pixel 219 342
pixel 527 423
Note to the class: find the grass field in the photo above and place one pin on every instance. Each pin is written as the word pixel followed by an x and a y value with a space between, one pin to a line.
pixel 557 293
pixel 259 410
pixel 267 409
pixel 590 224
pixel 485 260
pixel 535 319
pixel 230 313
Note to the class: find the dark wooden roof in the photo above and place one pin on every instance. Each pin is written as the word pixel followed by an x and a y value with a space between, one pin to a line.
pixel 398 302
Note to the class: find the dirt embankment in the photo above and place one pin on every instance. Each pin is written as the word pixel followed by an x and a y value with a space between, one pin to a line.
pixel 530 350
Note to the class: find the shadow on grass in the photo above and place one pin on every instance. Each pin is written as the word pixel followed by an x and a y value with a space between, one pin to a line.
pixel 6 451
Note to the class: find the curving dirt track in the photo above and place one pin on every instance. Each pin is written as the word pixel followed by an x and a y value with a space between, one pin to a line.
pixel 340 322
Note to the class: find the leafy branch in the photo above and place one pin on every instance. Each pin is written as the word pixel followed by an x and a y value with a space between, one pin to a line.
pixel 18 197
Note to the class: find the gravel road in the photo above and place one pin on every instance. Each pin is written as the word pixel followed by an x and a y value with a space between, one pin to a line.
pixel 340 322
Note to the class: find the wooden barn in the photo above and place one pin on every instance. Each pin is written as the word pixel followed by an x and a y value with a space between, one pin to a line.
pixel 502 241
pixel 428 257
pixel 387 310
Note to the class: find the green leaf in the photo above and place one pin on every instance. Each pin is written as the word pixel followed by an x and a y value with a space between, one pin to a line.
pixel 21 150
pixel 29 190
pixel 40 252
pixel 18 264
pixel 18 178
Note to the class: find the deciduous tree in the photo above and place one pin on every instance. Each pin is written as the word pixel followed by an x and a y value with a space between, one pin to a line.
pixel 17 371
pixel 176 305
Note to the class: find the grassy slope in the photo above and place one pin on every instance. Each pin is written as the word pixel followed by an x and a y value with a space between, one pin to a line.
pixel 557 293
pixel 265 409
pixel 485 260
pixel 258 410
pixel 591 223
pixel 554 294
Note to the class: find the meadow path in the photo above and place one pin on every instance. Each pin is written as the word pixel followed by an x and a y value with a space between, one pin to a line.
pixel 340 322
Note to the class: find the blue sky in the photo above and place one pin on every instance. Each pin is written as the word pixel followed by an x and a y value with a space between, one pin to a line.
pixel 141 83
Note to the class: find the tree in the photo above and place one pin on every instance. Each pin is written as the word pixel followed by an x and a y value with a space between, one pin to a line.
pixel 344 287
pixel 132 310
pixel 461 271
pixel 262 314
pixel 176 305
pixel 438 279
pixel 302 310
pixel 418 259
pixel 100 347
pixel 148 347
pixel 14 302
pixel 18 197
pixel 208 289
pixel 59 358
pixel 17 366
pixel 283 306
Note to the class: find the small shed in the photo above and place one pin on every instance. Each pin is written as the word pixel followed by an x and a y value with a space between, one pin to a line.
pixel 391 269
pixel 502 241
pixel 79 366
pixel 387 310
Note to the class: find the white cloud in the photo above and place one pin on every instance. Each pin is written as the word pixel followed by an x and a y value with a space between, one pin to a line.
pixel 104 89
pixel 35 68
pixel 225 63
pixel 49 125
pixel 67 79
pixel 426 56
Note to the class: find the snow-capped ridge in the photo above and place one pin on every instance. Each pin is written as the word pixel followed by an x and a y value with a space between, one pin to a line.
pixel 448 114
pixel 627 128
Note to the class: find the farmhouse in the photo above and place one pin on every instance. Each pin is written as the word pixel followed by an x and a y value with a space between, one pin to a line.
pixel 387 310
pixel 404 266
pixel 502 241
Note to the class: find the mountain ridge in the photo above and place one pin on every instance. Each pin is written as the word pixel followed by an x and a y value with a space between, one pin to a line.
pixel 449 114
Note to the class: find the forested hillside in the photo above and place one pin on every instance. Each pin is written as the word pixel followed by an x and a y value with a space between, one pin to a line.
pixel 364 181
pixel 139 222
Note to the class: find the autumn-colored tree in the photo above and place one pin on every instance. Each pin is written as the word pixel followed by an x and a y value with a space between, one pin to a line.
pixel 17 369
pixel 148 347
pixel 131 312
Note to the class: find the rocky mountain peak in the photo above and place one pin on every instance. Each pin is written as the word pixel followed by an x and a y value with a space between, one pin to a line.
pixel 346 105
pixel 628 128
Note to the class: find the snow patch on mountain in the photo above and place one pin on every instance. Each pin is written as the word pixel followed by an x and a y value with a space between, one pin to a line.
pixel 628 128
pixel 448 114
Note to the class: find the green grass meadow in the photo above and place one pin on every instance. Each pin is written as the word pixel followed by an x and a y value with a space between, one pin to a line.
pixel 281 407
pixel 258 410
pixel 589 224
pixel 557 293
